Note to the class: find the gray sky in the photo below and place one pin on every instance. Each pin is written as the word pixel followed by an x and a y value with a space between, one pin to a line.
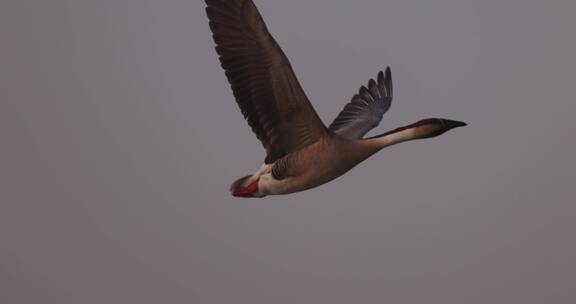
pixel 120 137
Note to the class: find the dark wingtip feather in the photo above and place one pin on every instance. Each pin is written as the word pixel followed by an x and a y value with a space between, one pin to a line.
pixel 381 85
pixel 388 81
pixel 365 94
pixel 373 89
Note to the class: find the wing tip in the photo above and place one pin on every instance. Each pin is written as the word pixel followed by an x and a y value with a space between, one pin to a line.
pixel 385 82
pixel 388 81
pixel 380 76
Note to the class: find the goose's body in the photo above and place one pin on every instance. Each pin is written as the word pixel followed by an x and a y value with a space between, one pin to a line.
pixel 301 152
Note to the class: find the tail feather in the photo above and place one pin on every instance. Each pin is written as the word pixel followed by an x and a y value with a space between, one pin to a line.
pixel 240 182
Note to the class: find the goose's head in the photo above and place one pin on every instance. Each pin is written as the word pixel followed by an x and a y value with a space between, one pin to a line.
pixel 433 127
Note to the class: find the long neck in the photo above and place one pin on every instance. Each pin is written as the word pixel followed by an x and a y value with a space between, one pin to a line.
pixel 391 138
pixel 425 128
pixel 421 129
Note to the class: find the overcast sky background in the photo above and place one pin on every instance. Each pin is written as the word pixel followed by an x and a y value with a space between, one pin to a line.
pixel 119 137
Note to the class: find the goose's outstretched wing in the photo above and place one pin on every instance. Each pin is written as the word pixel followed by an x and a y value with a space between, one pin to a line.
pixel 262 79
pixel 366 109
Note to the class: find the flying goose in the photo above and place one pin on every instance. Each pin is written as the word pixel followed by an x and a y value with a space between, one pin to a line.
pixel 301 153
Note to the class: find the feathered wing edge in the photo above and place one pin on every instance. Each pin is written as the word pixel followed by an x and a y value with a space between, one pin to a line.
pixel 366 109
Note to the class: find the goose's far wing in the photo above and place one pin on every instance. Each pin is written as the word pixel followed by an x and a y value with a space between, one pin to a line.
pixel 366 109
pixel 262 79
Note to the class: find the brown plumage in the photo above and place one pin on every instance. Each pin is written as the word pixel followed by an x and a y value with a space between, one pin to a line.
pixel 301 152
pixel 262 79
